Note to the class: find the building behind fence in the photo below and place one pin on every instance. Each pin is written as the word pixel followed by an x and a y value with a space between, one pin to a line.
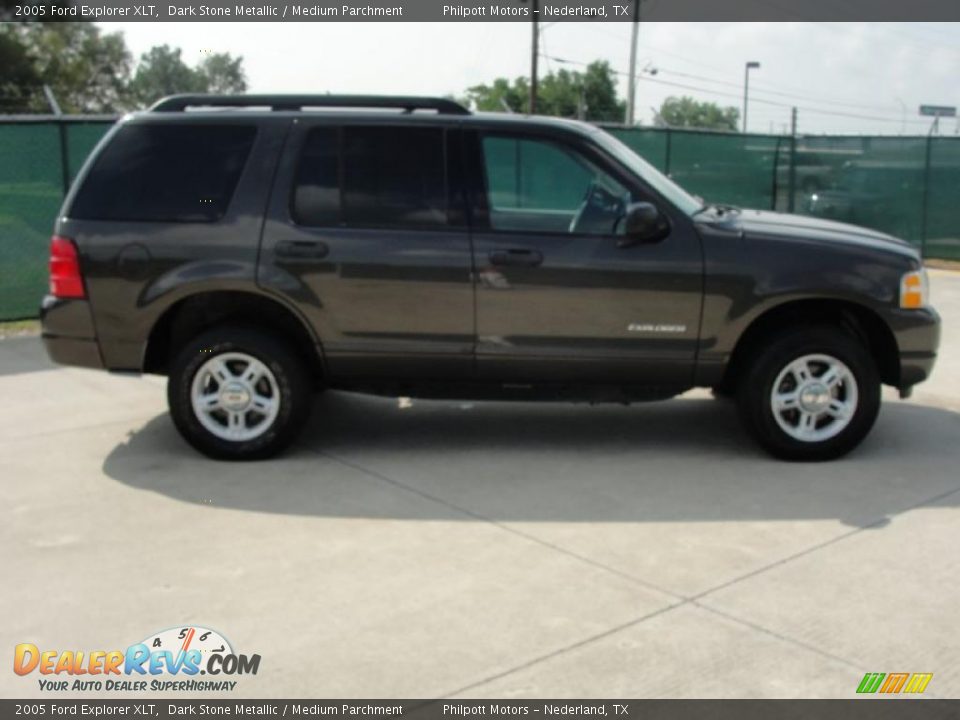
pixel 906 186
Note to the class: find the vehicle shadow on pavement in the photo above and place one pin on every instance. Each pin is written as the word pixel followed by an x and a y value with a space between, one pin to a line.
pixel 684 460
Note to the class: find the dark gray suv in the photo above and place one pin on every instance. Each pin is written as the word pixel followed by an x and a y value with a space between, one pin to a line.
pixel 257 249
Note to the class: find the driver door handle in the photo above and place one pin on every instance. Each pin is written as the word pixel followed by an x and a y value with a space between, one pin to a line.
pixel 302 249
pixel 516 257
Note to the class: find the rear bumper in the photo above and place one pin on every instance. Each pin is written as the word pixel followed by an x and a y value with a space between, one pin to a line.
pixel 68 333
pixel 71 351
pixel 918 337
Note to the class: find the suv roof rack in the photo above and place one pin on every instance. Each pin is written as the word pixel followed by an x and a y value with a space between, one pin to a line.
pixel 179 103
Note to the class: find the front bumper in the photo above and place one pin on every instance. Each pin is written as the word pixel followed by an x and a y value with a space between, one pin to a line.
pixel 918 337
pixel 68 333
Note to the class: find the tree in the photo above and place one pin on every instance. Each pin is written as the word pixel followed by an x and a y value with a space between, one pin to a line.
pixel 500 96
pixel 20 80
pixel 600 91
pixel 87 69
pixel 687 112
pixel 162 72
pixel 591 94
pixel 222 73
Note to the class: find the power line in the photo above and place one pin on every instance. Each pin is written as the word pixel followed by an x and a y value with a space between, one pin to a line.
pixel 809 109
pixel 781 91
pixel 759 89
pixel 819 111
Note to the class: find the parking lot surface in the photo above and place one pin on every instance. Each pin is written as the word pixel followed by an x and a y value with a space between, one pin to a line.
pixel 434 549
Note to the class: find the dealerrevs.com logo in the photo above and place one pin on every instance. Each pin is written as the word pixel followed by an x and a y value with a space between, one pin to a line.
pixel 170 660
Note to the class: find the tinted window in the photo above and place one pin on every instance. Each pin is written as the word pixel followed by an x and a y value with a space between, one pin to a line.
pixel 539 186
pixel 171 173
pixel 316 196
pixel 391 177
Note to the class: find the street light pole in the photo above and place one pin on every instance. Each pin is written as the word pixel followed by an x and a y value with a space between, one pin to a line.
pixel 632 86
pixel 752 65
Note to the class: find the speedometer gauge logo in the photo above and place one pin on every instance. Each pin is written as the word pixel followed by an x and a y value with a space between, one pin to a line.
pixel 185 639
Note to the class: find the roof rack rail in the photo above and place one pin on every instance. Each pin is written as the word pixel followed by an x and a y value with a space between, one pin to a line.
pixel 179 103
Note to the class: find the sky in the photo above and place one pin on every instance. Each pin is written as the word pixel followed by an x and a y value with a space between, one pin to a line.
pixel 843 77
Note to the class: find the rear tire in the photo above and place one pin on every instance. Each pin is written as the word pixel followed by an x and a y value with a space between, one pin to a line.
pixel 723 392
pixel 810 394
pixel 237 393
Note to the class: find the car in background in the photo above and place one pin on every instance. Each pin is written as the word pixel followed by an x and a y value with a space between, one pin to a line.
pixel 812 172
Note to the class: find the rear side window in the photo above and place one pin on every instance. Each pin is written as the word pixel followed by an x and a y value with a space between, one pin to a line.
pixel 165 173
pixel 372 177
pixel 316 195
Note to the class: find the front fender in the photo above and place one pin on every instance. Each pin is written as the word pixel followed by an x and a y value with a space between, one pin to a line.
pixel 746 278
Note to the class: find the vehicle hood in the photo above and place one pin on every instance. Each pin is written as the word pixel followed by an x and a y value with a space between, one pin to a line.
pixel 760 223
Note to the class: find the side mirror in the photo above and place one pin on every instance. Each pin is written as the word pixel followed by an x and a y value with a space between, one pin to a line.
pixel 643 223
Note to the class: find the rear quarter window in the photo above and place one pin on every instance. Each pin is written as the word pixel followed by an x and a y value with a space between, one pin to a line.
pixel 165 173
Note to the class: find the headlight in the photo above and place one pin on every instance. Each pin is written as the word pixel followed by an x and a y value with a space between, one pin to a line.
pixel 915 290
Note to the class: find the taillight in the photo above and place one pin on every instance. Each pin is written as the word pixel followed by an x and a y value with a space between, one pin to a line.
pixel 65 278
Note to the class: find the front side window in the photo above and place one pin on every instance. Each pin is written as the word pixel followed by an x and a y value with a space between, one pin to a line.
pixel 372 177
pixel 165 173
pixel 540 186
pixel 676 195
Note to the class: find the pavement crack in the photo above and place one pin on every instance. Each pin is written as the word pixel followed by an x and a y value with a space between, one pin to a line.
pixel 563 650
pixel 826 543
pixel 680 600
pixel 774 634
pixel 506 528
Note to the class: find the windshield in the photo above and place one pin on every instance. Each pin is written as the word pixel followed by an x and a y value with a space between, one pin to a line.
pixel 653 177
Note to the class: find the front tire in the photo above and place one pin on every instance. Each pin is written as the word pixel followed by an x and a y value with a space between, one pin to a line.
pixel 810 394
pixel 237 393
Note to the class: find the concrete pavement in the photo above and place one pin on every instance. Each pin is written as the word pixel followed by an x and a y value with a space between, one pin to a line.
pixel 487 549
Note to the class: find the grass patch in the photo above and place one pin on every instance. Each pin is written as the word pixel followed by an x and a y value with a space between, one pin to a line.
pixel 19 328
pixel 942 264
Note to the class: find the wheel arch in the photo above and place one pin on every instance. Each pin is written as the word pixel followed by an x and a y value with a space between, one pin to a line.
pixel 859 320
pixel 202 310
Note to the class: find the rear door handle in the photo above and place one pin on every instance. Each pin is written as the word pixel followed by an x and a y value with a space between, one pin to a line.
pixel 516 257
pixel 304 249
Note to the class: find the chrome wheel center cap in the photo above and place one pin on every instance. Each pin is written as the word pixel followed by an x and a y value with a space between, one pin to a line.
pixel 815 397
pixel 234 396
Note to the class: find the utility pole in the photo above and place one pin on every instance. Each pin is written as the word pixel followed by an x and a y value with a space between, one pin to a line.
pixel 632 87
pixel 792 183
pixel 534 53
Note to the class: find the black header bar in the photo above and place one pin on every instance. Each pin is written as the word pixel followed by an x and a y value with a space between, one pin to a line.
pixel 863 709
pixel 479 10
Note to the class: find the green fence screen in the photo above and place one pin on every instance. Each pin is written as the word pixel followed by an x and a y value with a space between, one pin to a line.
pixel 33 159
pixel 903 186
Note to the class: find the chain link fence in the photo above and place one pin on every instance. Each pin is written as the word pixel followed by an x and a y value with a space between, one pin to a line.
pixel 906 186
pixel 38 160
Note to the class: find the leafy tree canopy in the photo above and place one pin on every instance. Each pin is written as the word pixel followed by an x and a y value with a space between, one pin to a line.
pixel 90 71
pixel 690 113
pixel 87 69
pixel 591 94
pixel 162 71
